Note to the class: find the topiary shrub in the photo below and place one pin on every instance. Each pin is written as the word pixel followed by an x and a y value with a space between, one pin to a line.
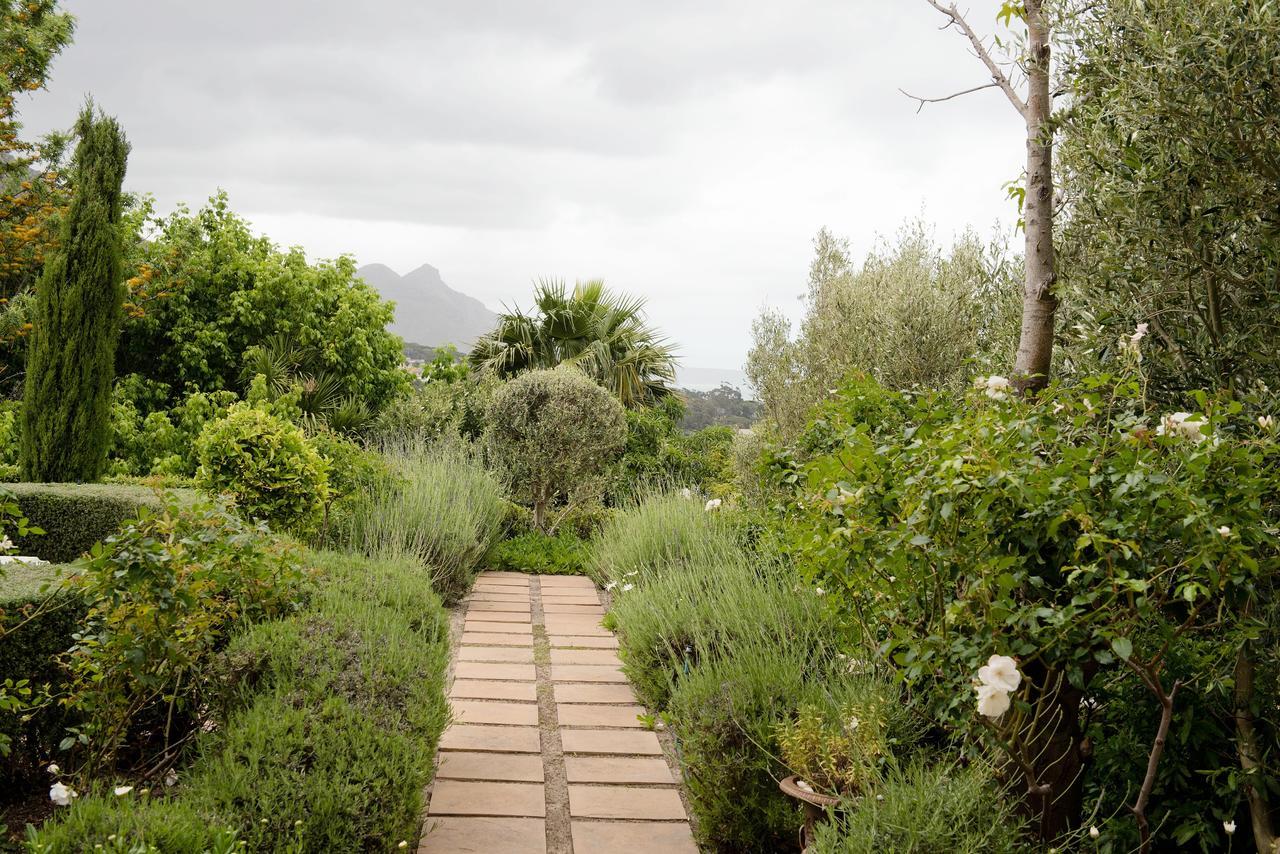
pixel 76 516
pixel 553 432
pixel 266 466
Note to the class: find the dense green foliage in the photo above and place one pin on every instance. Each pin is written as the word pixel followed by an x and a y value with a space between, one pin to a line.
pixel 909 315
pixel 1169 154
pixel 602 334
pixel 75 517
pixel 71 361
pixel 544 554
pixel 444 512
pixel 214 291
pixel 163 597
pixel 1096 545
pixel 325 720
pixel 266 466
pixel 554 433
pixel 658 455
pixel 927 810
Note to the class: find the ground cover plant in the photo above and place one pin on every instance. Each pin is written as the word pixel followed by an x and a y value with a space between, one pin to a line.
pixel 324 721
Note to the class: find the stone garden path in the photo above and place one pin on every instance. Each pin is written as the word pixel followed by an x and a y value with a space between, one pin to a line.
pixel 546 752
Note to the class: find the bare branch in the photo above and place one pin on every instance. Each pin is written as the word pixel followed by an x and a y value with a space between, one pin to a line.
pixel 923 101
pixel 998 77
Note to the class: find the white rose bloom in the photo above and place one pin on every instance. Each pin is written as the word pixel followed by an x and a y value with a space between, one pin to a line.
pixel 1000 672
pixel 992 702
pixel 1182 425
pixel 1266 422
pixel 1224 532
pixel 997 388
pixel 6 544
pixel 61 795
pixel 712 504
pixel 1229 827
pixel 54 769
pixel 1094 833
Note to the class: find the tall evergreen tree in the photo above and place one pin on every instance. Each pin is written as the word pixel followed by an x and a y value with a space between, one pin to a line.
pixel 71 364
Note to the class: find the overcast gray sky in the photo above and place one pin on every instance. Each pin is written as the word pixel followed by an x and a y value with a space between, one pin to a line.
pixel 687 151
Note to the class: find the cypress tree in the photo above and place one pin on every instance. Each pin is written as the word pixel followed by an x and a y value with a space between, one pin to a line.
pixel 71 362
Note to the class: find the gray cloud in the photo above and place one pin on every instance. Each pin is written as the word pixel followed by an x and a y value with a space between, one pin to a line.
pixel 685 150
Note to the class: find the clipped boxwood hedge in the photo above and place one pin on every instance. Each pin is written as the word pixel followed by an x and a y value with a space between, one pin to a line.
pixel 75 516
pixel 30 653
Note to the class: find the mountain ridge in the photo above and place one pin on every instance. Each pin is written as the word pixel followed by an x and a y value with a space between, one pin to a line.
pixel 428 311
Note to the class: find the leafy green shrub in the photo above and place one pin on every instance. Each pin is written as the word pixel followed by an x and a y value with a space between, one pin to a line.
pixel 445 513
pixel 354 471
pixel 927 810
pixel 10 439
pixel 76 516
pixel 136 824
pixel 163 596
pixel 326 717
pixel 149 439
pixel 38 618
pixel 659 455
pixel 659 534
pixel 266 466
pixel 554 433
pixel 1090 540
pixel 562 554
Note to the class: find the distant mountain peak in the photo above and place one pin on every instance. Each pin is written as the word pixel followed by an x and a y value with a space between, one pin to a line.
pixel 428 311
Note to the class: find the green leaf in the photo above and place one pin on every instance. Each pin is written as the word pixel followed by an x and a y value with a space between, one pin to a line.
pixel 1123 647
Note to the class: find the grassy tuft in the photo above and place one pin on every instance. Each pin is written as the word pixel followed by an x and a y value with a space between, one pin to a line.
pixel 445 514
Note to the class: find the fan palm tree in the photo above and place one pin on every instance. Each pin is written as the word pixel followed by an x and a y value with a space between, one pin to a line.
pixel 603 334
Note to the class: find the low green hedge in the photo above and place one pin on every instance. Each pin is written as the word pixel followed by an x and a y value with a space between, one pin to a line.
pixel 562 554
pixel 75 516
pixel 32 596
pixel 327 726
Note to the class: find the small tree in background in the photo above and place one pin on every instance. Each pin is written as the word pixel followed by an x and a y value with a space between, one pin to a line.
pixel 67 409
pixel 554 432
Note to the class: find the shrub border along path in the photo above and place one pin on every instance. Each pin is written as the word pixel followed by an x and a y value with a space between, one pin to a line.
pixel 547 752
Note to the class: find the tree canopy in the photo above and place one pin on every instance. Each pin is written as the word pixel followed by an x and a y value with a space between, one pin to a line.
pixel 603 334
pixel 206 290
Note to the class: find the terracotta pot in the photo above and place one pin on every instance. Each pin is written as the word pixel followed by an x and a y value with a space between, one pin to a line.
pixel 815 807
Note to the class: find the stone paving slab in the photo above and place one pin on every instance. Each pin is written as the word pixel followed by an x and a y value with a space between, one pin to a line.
pixel 579 610
pixel 586 673
pixel 552 581
pixel 481 689
pixel 566 641
pixel 500 628
pixel 632 837
pixel 586 692
pixel 476 835
pixel 621 770
pixel 499 611
pixel 571 597
pixel 494 712
pixel 464 797
pixel 497 597
pixel 500 584
pixel 495 654
pixel 564 624
pixel 594 715
pixel 492 739
pixel 504 672
pixel 511 767
pixel 505 589
pixel 616 741
pixel 585 656
pixel 495 639
pixel 614 802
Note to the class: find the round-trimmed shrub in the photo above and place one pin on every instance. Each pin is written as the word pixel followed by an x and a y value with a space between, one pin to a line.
pixel 553 432
pixel 267 467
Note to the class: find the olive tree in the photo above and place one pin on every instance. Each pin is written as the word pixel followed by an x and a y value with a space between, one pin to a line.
pixel 553 432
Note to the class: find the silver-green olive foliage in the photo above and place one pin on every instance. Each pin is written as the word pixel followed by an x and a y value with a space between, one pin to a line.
pixel 553 432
